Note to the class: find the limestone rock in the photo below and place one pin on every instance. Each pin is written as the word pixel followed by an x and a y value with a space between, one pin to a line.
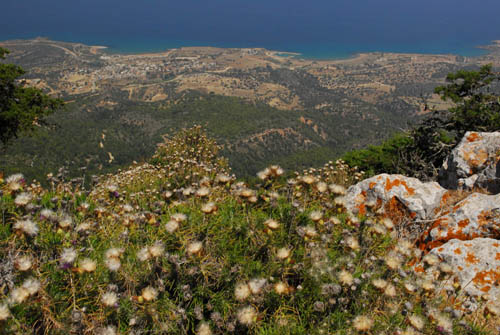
pixel 476 264
pixel 478 215
pixel 387 191
pixel 473 163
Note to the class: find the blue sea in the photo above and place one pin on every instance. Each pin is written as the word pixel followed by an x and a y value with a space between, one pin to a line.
pixel 315 28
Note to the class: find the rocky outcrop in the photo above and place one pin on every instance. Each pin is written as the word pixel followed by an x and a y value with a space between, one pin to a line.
pixel 475 264
pixel 385 192
pixel 473 163
pixel 478 215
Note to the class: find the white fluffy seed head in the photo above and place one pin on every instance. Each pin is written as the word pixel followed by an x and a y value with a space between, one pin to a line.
pixel 272 224
pixel 194 247
pixel 68 255
pixel 19 295
pixel 346 278
pixel 31 285
pixel 109 299
pixel 416 322
pixel 204 329
pixel 242 291
pixel 4 312
pixel 256 285
pixel 379 283
pixel 143 254
pixel 171 226
pixel 27 227
pixel 112 263
pixel 22 199
pixel 179 217
pixel 283 253
pixel 390 290
pixel 281 288
pixel 362 323
pixel 247 315
pixel 149 293
pixel 352 243
pixel 23 263
pixel 316 216
pixel 88 265
pixel 157 249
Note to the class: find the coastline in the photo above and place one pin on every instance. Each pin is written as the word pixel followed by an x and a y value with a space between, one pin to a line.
pixel 327 53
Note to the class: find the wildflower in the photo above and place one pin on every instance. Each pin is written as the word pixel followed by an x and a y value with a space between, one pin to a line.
pixel 308 180
pixel 281 288
pixel 15 182
pixel 321 187
pixel 82 227
pixel 204 329
pixel 272 224
pixel 4 312
pixel 346 278
pixel 109 299
pixel 410 288
pixel 431 259
pixel 445 268
pixel 335 220
pixel 283 253
pixel 47 214
pixel 68 256
pixel 405 247
pixel 256 285
pixel 113 264
pixel 242 291
pixel 23 263
pixel 194 247
pixel 337 189
pixel 65 221
pixel 27 227
pixel 362 323
pixel 352 243
pixel 171 226
pixel 143 254
pixel 316 216
pixel 31 285
pixel 114 252
pixel 388 223
pixel 393 261
pixel 310 231
pixel 202 192
pixel 340 201
pixel 88 265
pixel 209 208
pixel 22 199
pixel 379 283
pixel 109 330
pixel 417 322
pixel 264 174
pixel 157 249
pixel 19 295
pixel 149 293
pixel 428 285
pixel 247 315
pixel 390 290
pixel 222 178
pixel 444 323
pixel 379 229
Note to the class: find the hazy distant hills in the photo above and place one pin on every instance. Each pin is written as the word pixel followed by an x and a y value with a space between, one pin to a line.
pixel 264 107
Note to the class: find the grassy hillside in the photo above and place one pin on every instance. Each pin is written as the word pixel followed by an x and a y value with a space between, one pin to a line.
pixel 178 246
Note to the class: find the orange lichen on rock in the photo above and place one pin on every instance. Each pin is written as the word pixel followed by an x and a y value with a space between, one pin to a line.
pixel 463 223
pixel 395 183
pixel 419 269
pixel 473 137
pixel 471 258
pixel 487 277
pixel 457 251
pixel 372 185
pixel 497 258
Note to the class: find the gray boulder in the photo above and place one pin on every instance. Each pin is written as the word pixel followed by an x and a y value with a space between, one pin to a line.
pixel 478 215
pixel 386 191
pixel 476 265
pixel 473 163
